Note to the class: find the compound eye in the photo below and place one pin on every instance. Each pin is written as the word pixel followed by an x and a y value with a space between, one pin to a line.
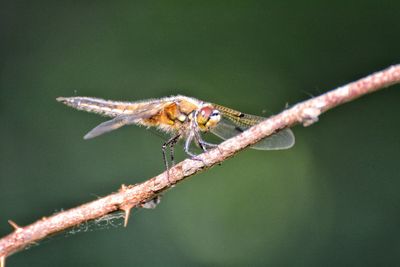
pixel 204 115
pixel 206 112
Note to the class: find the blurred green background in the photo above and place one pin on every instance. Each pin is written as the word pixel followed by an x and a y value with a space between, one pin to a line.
pixel 332 200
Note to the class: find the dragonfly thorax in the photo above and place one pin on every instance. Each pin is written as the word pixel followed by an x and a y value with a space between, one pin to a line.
pixel 207 117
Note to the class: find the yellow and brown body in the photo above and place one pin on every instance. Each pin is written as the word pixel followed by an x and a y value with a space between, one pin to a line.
pixel 169 114
pixel 182 116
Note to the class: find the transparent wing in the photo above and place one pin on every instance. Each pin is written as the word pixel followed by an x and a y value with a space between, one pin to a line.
pixel 118 122
pixel 235 122
pixel 106 127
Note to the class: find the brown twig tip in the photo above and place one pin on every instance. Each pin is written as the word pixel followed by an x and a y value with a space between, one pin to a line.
pixel 147 194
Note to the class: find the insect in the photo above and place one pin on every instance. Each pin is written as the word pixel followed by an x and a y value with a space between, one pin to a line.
pixel 181 116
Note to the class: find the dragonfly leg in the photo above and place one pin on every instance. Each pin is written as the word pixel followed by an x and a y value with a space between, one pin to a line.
pixel 171 149
pixel 203 144
pixel 194 135
pixel 187 146
pixel 170 143
pixel 199 141
pixel 189 140
pixel 163 148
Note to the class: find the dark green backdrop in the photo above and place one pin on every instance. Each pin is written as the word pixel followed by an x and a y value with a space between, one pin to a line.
pixel 332 200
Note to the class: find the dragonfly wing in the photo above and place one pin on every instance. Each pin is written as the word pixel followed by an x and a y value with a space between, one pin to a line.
pixel 106 127
pixel 283 139
pixel 118 122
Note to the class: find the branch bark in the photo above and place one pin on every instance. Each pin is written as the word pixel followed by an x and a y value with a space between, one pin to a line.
pixel 128 197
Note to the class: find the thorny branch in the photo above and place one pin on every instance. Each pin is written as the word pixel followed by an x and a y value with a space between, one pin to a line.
pixel 128 197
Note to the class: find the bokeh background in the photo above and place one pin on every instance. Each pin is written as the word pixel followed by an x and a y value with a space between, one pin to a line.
pixel 332 200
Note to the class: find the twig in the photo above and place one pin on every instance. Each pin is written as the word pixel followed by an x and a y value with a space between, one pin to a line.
pixel 128 197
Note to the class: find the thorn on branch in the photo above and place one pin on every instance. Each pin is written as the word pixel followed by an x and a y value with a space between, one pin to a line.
pixel 126 208
pixel 3 261
pixel 16 227
pixel 127 211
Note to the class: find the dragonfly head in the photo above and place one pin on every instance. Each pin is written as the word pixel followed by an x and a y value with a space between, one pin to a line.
pixel 207 117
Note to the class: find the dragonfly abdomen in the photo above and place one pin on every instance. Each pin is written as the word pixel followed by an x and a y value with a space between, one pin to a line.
pixel 97 105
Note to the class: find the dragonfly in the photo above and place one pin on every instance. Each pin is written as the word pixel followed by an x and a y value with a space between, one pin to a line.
pixel 184 118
